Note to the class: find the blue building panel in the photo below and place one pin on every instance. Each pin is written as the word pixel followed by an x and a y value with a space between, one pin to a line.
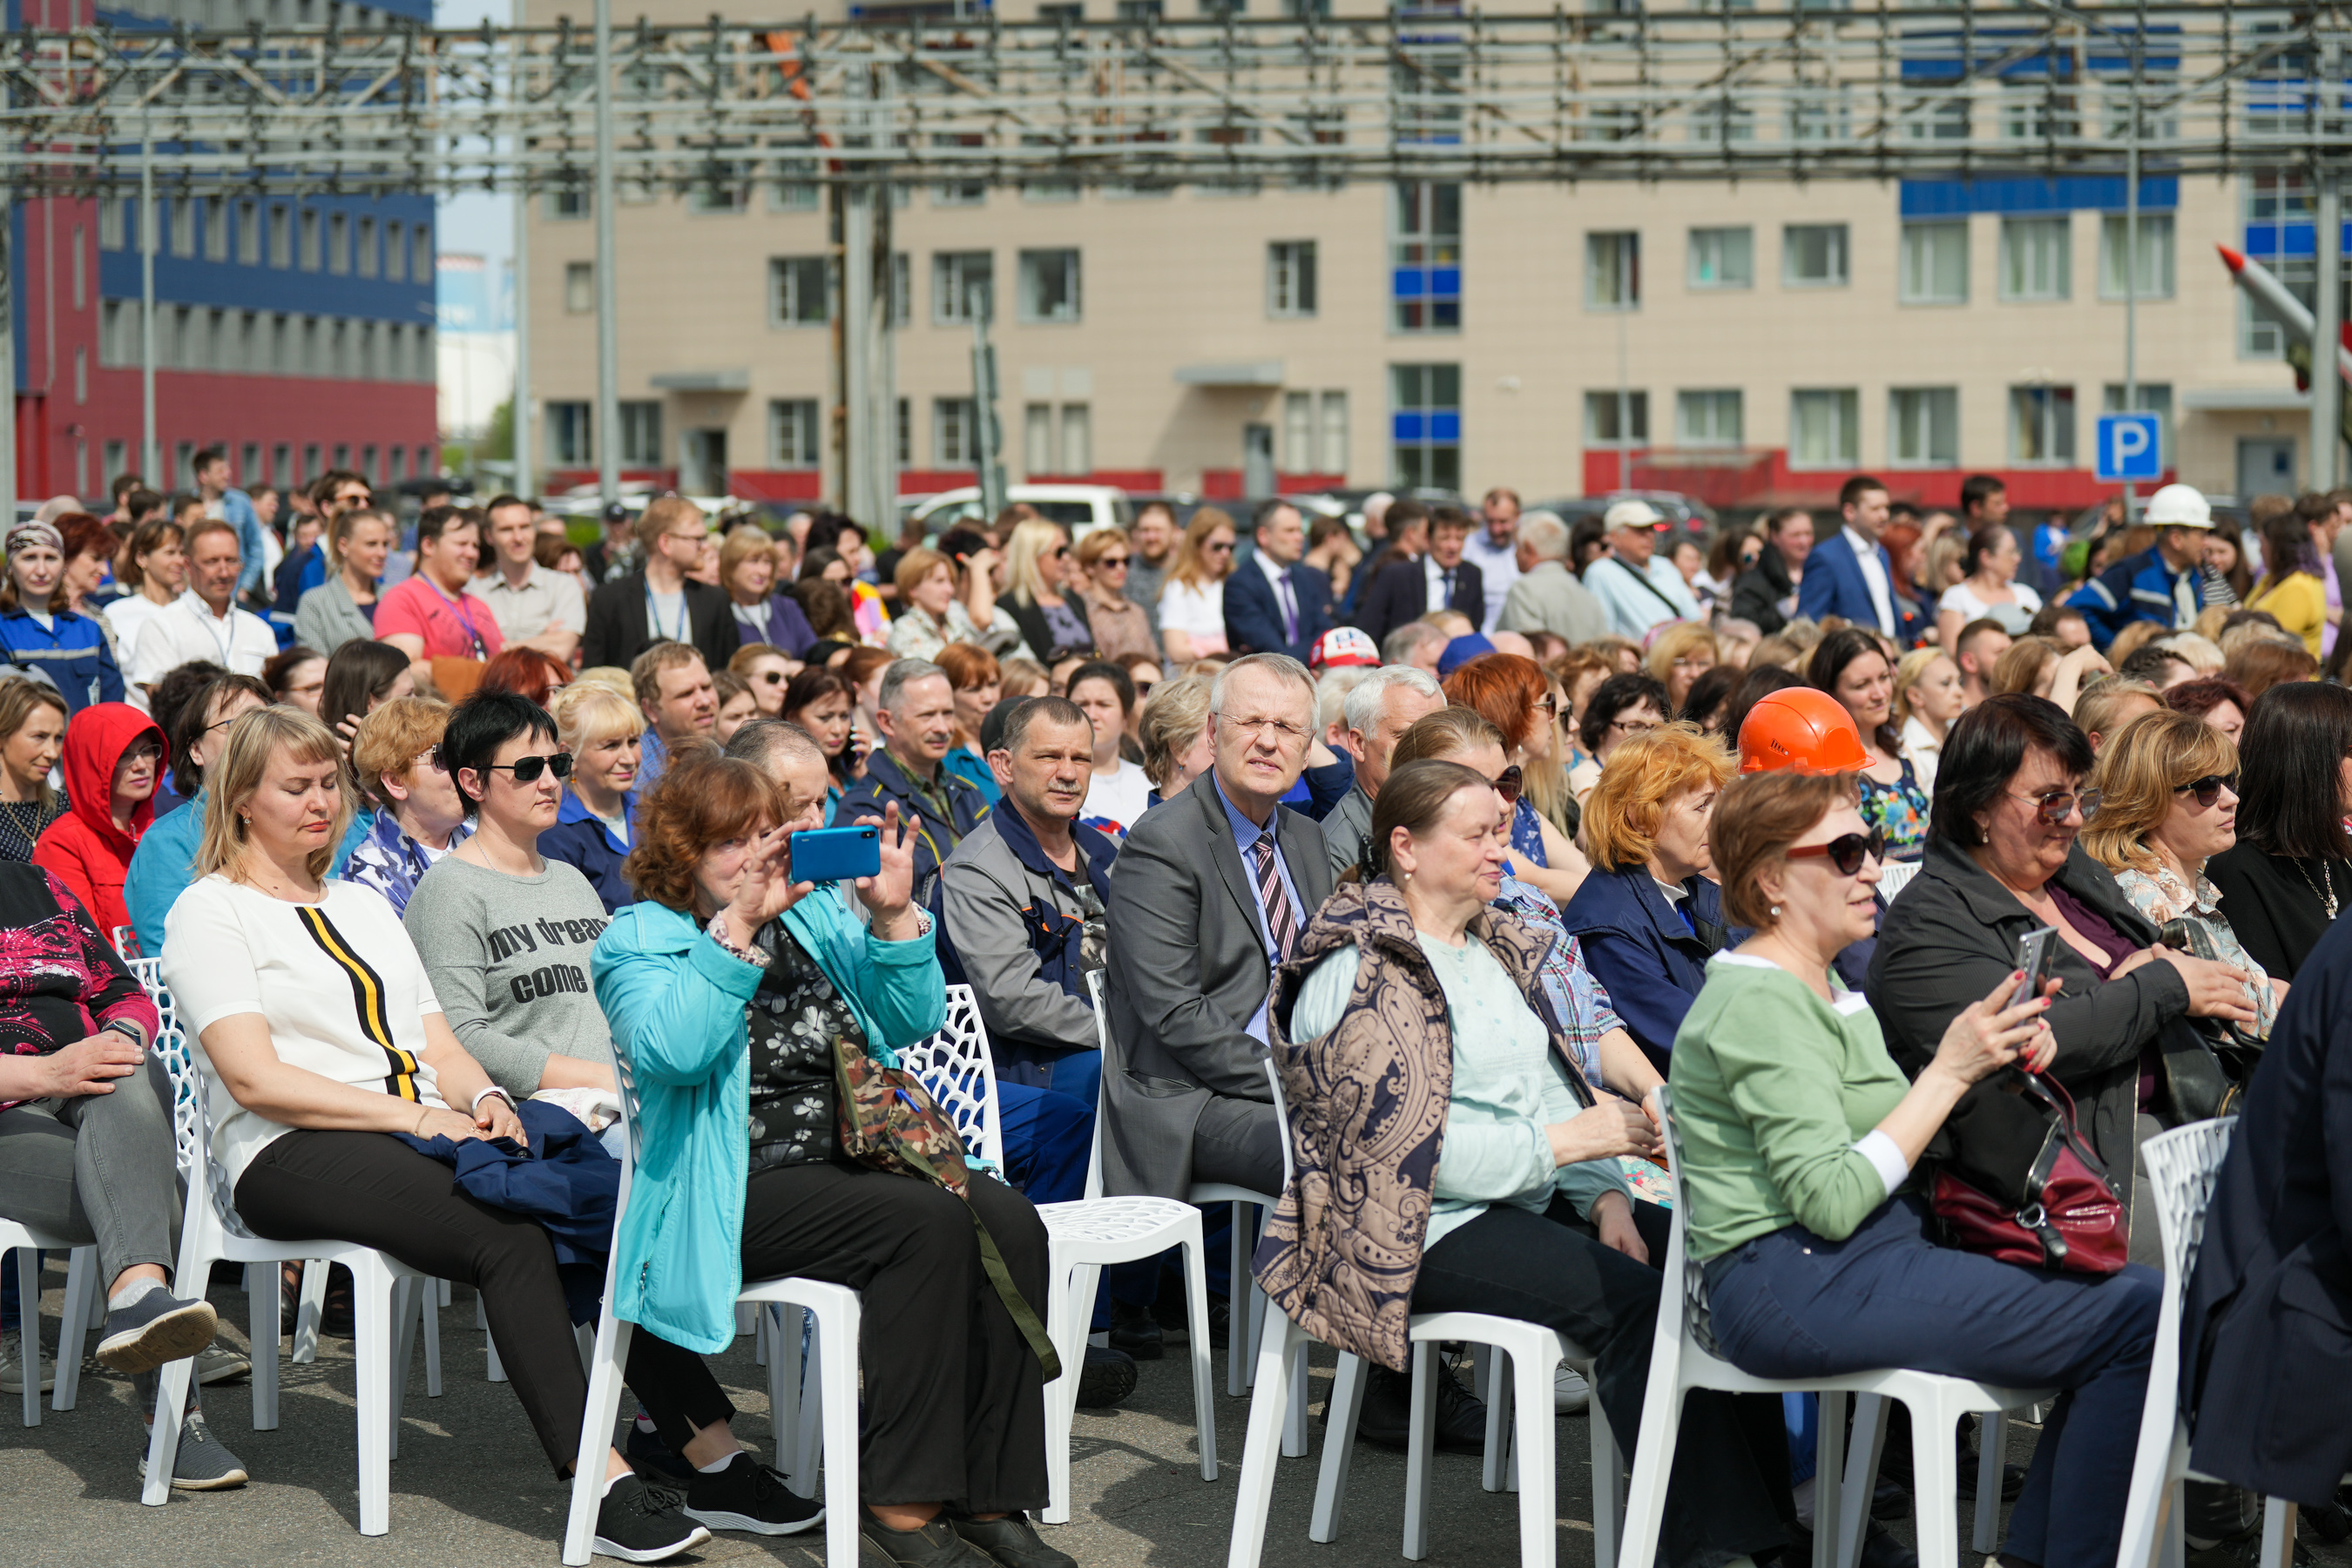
pixel 2276 239
pixel 235 285
pixel 1960 198
pixel 1408 426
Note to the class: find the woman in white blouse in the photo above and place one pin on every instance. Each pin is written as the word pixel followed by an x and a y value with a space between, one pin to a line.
pixel 1989 590
pixel 321 1038
pixel 1193 603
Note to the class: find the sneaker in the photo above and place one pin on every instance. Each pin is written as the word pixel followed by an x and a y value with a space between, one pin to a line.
pixel 655 1459
pixel 1013 1543
pixel 1136 1331
pixel 201 1465
pixel 216 1362
pixel 1386 1419
pixel 638 1523
pixel 12 1367
pixel 1569 1393
pixel 156 1331
pixel 933 1545
pixel 1107 1378
pixel 748 1495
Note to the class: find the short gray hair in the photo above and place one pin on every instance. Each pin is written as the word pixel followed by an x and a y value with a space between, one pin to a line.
pixel 762 741
pixel 1368 701
pixel 1545 535
pixel 1400 645
pixel 1331 692
pixel 1275 664
pixel 903 674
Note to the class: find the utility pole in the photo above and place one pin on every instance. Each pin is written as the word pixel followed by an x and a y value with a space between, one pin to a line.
pixel 149 455
pixel 988 431
pixel 605 431
pixel 8 360
pixel 2326 382
pixel 522 427
pixel 2131 260
pixel 870 398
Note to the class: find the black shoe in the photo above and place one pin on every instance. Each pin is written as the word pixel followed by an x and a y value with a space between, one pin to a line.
pixel 1386 1418
pixel 655 1459
pixel 2013 1476
pixel 748 1495
pixel 335 1314
pixel 156 1329
pixel 1107 1377
pixel 1134 1330
pixel 1879 1549
pixel 1890 1499
pixel 934 1545
pixel 638 1523
pixel 1013 1543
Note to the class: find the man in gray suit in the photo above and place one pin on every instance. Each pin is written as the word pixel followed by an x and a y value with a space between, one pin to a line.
pixel 1382 707
pixel 1547 597
pixel 1212 889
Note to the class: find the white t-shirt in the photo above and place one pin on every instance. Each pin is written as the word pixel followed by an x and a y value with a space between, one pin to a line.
pixel 2014 618
pixel 1198 613
pixel 1114 801
pixel 338 982
pixel 186 629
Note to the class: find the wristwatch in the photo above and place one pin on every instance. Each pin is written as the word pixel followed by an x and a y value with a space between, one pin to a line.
pixel 127 1029
pixel 476 1107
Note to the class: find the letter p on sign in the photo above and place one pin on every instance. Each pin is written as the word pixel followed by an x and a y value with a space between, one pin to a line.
pixel 2131 448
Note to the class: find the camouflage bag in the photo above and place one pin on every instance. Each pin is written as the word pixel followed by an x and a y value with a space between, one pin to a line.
pixel 889 1121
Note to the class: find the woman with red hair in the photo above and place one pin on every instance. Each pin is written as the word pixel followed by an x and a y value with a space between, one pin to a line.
pixel 1509 692
pixel 528 671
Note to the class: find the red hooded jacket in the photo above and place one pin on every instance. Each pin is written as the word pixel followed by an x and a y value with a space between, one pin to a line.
pixel 83 848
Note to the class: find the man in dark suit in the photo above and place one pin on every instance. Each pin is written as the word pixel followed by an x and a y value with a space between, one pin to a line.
pixel 1409 589
pixel 1850 574
pixel 1274 605
pixel 1212 889
pixel 659 601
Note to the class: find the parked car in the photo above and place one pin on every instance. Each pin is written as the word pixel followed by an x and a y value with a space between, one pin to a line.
pixel 1681 512
pixel 1080 508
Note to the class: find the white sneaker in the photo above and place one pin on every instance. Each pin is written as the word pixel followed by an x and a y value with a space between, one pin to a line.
pixel 11 1368
pixel 1570 1391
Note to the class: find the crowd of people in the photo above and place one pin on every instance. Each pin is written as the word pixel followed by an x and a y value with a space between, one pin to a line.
pixel 1482 827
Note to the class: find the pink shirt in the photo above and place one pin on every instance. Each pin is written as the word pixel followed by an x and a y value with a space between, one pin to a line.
pixel 460 627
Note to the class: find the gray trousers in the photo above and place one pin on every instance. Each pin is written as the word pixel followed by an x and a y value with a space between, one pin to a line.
pixel 97 1167
pixel 1239 1142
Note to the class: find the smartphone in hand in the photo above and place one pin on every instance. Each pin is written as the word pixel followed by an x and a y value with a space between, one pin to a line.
pixel 836 854
pixel 2036 952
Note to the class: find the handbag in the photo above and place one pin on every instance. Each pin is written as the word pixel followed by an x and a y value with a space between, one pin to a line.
pixel 2063 1212
pixel 887 1120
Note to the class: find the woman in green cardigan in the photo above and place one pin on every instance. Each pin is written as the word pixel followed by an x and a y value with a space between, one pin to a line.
pixel 1798 1137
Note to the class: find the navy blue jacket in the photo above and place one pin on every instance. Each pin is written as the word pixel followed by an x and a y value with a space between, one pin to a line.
pixel 1644 953
pixel 566 1180
pixel 72 654
pixel 2136 588
pixel 579 841
pixel 1834 585
pixel 935 836
pixel 1253 620
pixel 299 572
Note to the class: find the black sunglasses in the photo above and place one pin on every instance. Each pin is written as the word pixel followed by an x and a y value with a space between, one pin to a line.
pixel 2209 789
pixel 527 770
pixel 1846 850
pixel 774 677
pixel 1506 784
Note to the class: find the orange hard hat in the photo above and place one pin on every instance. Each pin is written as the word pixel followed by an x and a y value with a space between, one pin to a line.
pixel 1801 730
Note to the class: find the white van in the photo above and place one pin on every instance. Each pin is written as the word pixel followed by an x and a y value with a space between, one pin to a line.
pixel 1081 509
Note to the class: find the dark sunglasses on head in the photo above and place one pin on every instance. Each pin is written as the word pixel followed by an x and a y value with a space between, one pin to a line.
pixel 527 770
pixel 1846 850
pixel 1506 784
pixel 2209 789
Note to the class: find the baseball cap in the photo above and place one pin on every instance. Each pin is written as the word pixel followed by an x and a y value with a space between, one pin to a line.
pixel 1461 651
pixel 1343 647
pixel 1632 514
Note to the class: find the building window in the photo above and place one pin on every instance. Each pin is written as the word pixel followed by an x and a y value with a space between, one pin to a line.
pixel 1335 433
pixel 395 252
pixel 1723 257
pixel 248 233
pixel 1049 285
pixel 567 207
pixel 1078 439
pixel 2276 203
pixel 720 190
pixel 567 436
pixel 579 287
pixel 338 243
pixel 281 237
pixel 281 465
pixel 795 189
pixel 962 283
pixel 114 457
pixel 797 291
pixel 1613 271
pixel 1037 439
pixel 368 470
pixel 905 423
pixel 1048 188
pixel 1425 258
pixel 81 267
pixel 2154 397
pixel 1425 425
pixel 2154 280
pixel 1813 256
pixel 367 257
pixel 1314 433
pixel 2036 258
pixel 1822 428
pixel 311 231
pixel 794 438
pixel 1923 426
pixel 1708 419
pixel 1935 264
pixel 117 333
pixel 959 192
pixel 955 433
pixel 82 373
pixel 641 435
pixel 1298 433
pixel 113 220
pixel 1614 418
pixel 420 264
pixel 1290 278
pixel 2042 426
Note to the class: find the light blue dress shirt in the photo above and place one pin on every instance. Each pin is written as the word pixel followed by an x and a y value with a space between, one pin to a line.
pixel 1245 837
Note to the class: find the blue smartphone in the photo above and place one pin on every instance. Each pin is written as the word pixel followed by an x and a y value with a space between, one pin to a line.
pixel 837 854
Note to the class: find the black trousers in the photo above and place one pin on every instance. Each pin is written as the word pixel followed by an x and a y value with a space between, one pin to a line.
pixel 370 1188
pixel 955 1399
pixel 1729 1492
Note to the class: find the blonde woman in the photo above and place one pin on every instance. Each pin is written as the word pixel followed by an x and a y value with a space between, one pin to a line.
pixel 1036 575
pixel 1928 695
pixel 934 611
pixel 32 738
pixel 767 671
pixel 337 610
pixel 321 1038
pixel 1681 653
pixel 1119 624
pixel 1193 603
pixel 748 570
pixel 1174 726
pixel 593 829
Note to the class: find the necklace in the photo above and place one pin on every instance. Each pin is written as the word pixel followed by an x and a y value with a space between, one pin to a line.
pixel 2326 876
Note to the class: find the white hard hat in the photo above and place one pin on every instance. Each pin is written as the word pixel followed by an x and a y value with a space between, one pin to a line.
pixel 2178 506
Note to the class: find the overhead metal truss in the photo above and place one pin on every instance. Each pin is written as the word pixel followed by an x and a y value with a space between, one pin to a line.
pixel 1439 93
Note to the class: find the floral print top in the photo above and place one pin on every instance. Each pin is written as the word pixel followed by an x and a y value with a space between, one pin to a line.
pixel 1900 809
pixel 793 1019
pixel 1527 834
pixel 2161 896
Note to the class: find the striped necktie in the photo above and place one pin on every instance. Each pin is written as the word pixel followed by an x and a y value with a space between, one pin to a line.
pixel 1281 924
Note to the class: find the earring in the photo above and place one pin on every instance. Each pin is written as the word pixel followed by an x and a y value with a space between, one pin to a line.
pixel 1775 911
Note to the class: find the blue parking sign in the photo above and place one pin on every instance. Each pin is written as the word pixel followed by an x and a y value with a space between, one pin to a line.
pixel 2131 448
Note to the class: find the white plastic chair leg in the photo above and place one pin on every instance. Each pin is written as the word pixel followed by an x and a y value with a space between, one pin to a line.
pixel 431 1297
pixel 403 1319
pixel 498 1371
pixel 1829 1478
pixel 1608 1484
pixel 73 1325
pixel 1936 1485
pixel 313 1307
pixel 595 1435
pixel 1295 1442
pixel 811 1442
pixel 1535 1433
pixel 762 1330
pixel 29 1328
pixel 1420 1444
pixel 1339 1446
pixel 2278 1534
pixel 1196 1301
pixel 838 1375
pixel 1645 1498
pixel 372 1306
pixel 1241 1300
pixel 261 1328
pixel 1494 1474
pixel 163 1436
pixel 1069 1307
pixel 1992 1449
pixel 782 1325
pixel 441 1292
pixel 1868 1447
pixel 1256 1493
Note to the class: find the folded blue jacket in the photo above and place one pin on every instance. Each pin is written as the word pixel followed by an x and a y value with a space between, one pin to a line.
pixel 566 1180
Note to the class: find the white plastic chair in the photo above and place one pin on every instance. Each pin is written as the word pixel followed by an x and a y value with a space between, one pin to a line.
pixel 837 1316
pixel 2181 1167
pixel 73 1327
pixel 1084 1234
pixel 387 1298
pixel 1894 875
pixel 1684 1357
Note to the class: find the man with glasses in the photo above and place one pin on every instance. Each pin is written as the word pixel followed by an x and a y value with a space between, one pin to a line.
pixel 329 496
pixel 535 607
pixel 1211 893
pixel 658 602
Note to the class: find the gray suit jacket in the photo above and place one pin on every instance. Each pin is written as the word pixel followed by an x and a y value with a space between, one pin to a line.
pixel 1550 599
pixel 1187 970
pixel 1344 830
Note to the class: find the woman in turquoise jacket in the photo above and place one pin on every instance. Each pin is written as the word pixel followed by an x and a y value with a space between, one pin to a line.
pixel 730 988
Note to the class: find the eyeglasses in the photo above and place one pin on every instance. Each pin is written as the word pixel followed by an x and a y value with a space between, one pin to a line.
pixel 150 752
pixel 1284 732
pixel 2209 789
pixel 1548 705
pixel 1506 784
pixel 1213 548
pixel 686 538
pixel 1846 850
pixel 434 759
pixel 1631 726
pixel 527 770
pixel 774 677
pixel 1109 562
pixel 1059 551
pixel 2058 804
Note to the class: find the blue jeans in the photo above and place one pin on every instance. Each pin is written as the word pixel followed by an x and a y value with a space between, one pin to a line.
pixel 1048 1136
pixel 1792 1305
